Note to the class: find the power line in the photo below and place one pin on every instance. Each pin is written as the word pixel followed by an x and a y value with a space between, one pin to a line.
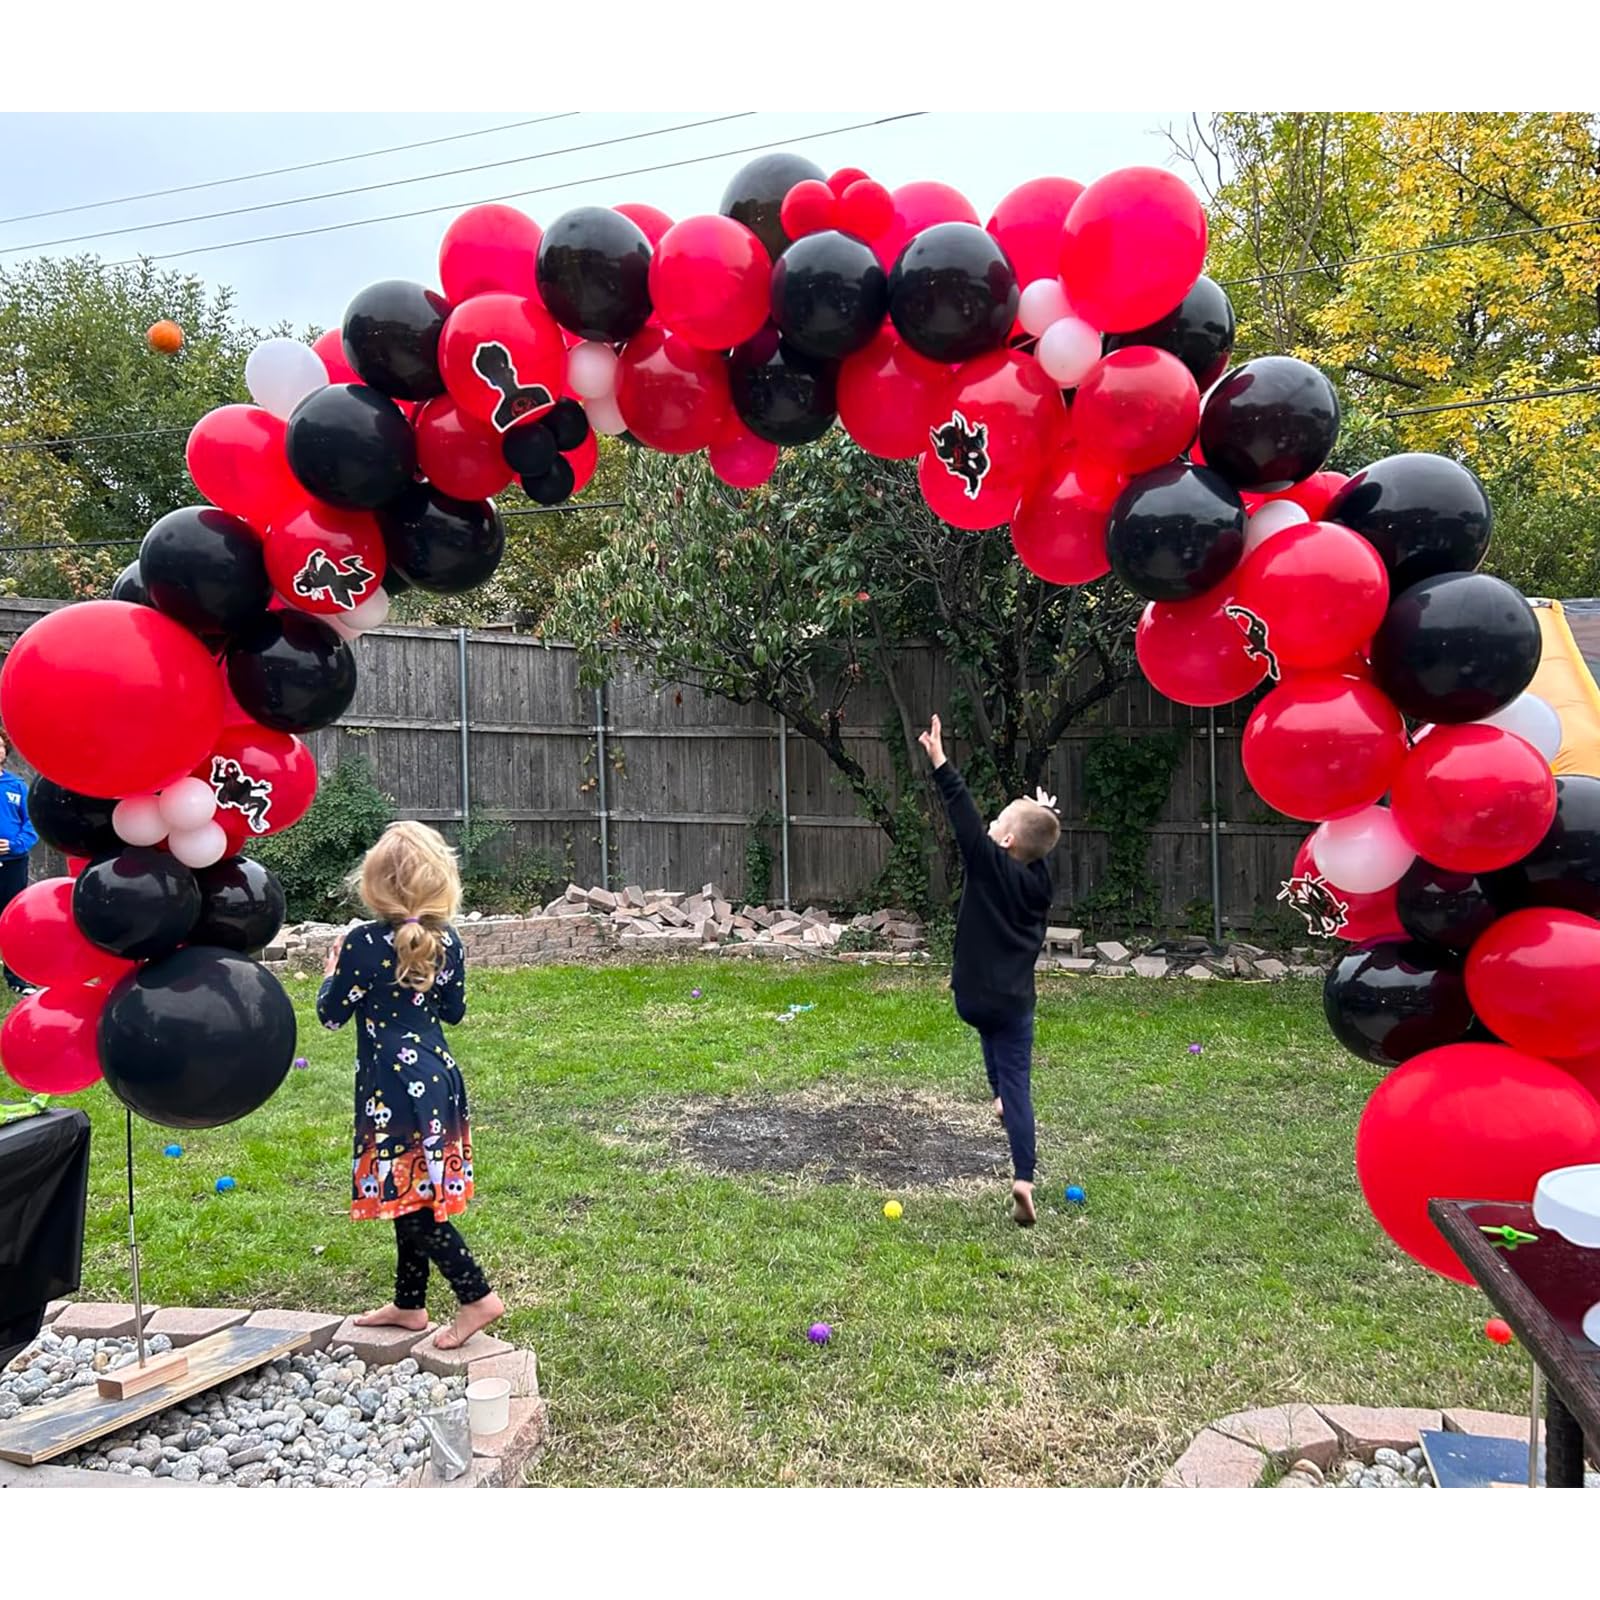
pixel 368 188
pixel 1502 400
pixel 278 172
pixel 93 438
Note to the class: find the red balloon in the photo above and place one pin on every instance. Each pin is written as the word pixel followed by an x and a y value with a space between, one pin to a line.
pixel 264 780
pixel 889 396
pixel 1193 652
pixel 840 181
pixel 1467 1122
pixel 918 206
pixel 948 497
pixel 502 359
pixel 42 943
pixel 811 206
pixel 672 394
pixel 236 457
pixel 490 249
pixel 1138 408
pixel 1473 798
pixel 711 281
pixel 76 864
pixel 1027 226
pixel 652 223
pixel 1016 404
pixel 1323 746
pixel 1059 527
pixel 457 453
pixel 866 210
pixel 583 462
pixel 741 459
pixel 1355 918
pixel 110 699
pixel 326 561
pixel 1132 247
pixel 1318 590
pixel 1314 495
pixel 329 349
pixel 1531 980
pixel 49 1042
pixel 1586 1069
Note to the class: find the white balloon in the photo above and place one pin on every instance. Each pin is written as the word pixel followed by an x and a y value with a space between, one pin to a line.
pixel 1068 350
pixel 1532 719
pixel 1044 301
pixel 605 415
pixel 188 804
pixel 592 370
pixel 343 627
pixel 139 820
pixel 1364 853
pixel 373 612
pixel 200 847
pixel 1273 517
pixel 280 373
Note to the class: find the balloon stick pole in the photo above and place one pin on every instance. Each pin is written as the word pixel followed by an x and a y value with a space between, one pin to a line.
pixel 133 1252
pixel 1533 1429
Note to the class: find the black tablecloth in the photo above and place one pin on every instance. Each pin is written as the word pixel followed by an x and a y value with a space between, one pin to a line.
pixel 44 1192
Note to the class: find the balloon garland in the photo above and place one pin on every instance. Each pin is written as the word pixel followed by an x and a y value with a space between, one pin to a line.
pixel 1062 370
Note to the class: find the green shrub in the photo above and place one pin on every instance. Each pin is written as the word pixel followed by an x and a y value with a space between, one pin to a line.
pixel 499 875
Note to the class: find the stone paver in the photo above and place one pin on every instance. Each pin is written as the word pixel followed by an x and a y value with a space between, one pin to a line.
pixel 54 1310
pixel 1286 1433
pixel 1110 950
pixel 1198 973
pixel 1490 1424
pixel 185 1325
pixel 1363 1429
pixel 517 1443
pixel 1272 969
pixel 1214 1461
pixel 520 1366
pixel 317 1326
pixel 88 1320
pixel 379 1346
pixel 484 1473
pixel 50 1476
pixel 447 1363
pixel 1150 966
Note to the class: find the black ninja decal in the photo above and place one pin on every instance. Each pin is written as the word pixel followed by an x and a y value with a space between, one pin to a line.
pixel 1314 898
pixel 492 362
pixel 964 450
pixel 1256 644
pixel 236 790
pixel 344 582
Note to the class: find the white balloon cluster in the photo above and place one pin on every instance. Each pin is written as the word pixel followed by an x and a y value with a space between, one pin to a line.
pixel 373 612
pixel 592 376
pixel 1068 346
pixel 184 814
pixel 280 373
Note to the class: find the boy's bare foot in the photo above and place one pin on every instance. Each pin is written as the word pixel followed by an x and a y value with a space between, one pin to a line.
pixel 391 1316
pixel 470 1320
pixel 1022 1212
pixel 999 1109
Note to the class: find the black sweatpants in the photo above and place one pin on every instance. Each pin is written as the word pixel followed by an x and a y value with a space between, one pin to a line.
pixel 419 1241
pixel 13 880
pixel 1006 1034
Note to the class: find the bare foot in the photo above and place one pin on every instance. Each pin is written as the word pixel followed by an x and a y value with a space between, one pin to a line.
pixel 391 1316
pixel 1022 1212
pixel 470 1320
pixel 999 1109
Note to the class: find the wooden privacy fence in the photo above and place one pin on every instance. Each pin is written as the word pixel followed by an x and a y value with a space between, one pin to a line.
pixel 666 787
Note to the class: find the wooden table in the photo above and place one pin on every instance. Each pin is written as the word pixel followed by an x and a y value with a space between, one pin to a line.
pixel 1543 1291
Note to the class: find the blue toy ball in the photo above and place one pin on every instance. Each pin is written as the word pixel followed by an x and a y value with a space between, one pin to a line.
pixel 225 1184
pixel 173 1150
pixel 1076 1196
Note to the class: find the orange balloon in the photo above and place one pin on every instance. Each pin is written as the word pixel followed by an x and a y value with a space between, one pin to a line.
pixel 165 337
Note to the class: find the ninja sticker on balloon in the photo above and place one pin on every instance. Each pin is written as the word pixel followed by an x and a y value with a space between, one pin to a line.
pixel 964 450
pixel 345 582
pixel 1257 640
pixel 492 362
pixel 1313 897
pixel 237 791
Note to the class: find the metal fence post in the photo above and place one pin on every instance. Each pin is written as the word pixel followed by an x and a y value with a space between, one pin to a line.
pixel 783 799
pixel 600 773
pixel 466 747
pixel 1216 847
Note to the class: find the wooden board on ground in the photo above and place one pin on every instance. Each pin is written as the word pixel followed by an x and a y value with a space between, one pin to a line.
pixel 1477 1461
pixel 40 1433
pixel 126 1382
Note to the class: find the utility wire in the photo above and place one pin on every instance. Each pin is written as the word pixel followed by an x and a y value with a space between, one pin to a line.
pixel 1502 400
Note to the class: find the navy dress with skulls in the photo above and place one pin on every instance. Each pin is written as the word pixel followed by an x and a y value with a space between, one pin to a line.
pixel 413 1147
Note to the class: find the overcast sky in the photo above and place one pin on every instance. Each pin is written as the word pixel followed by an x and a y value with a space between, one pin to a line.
pixel 79 159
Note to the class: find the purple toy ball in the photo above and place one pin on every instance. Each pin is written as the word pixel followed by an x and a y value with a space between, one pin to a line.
pixel 1195 1049
pixel 819 1333
pixel 300 1063
pixel 694 994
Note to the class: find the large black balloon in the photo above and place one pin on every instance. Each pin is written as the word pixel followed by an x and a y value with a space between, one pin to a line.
pixel 205 569
pixel 76 824
pixel 138 903
pixel 1456 648
pixel 351 446
pixel 1424 514
pixel 1388 1002
pixel 441 544
pixel 292 672
pixel 1269 424
pixel 952 294
pixel 1175 532
pixel 594 273
pixel 829 295
pixel 1563 869
pixel 1444 908
pixel 1199 333
pixel 781 395
pixel 199 1039
pixel 756 193
pixel 241 904
pixel 391 337
pixel 129 586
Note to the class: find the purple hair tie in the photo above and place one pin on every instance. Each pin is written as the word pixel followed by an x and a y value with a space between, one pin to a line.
pixel 409 920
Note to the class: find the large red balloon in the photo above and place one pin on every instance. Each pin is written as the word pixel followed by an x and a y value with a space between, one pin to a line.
pixel 1323 746
pixel 264 780
pixel 502 359
pixel 490 249
pixel 1132 247
pixel 1314 494
pixel 1059 527
pixel 1337 913
pixel 110 699
pixel 458 454
pixel 651 222
pixel 889 396
pixel 1531 980
pixel 49 1042
pixel 325 561
pixel 1016 404
pixel 673 395
pixel 42 944
pixel 1319 591
pixel 1586 1069
pixel 1193 652
pixel 948 497
pixel 1467 1122
pixel 328 347
pixel 740 459
pixel 918 206
pixel 1472 798
pixel 1027 226
pixel 1138 408
pixel 236 457
pixel 583 460
pixel 711 282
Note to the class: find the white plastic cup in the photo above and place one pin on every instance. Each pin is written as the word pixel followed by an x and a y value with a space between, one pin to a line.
pixel 489 1404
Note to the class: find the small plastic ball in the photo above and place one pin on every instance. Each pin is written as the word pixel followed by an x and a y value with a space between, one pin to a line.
pixel 173 1150
pixel 225 1184
pixel 1075 1195
pixel 893 1210
pixel 165 337
pixel 1498 1331
pixel 819 1333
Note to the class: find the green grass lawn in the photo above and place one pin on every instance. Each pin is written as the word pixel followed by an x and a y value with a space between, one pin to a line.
pixel 1225 1259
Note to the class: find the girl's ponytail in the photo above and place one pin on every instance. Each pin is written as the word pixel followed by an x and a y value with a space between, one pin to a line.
pixel 410 879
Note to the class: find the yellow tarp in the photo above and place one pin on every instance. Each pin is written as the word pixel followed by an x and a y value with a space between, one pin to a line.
pixel 1565 682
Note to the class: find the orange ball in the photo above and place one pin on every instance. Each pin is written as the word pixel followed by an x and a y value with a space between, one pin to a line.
pixel 165 337
pixel 1498 1331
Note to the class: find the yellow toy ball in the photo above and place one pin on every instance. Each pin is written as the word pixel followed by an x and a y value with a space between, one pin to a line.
pixel 893 1210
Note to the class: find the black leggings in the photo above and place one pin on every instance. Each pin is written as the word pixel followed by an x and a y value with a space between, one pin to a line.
pixel 13 880
pixel 420 1240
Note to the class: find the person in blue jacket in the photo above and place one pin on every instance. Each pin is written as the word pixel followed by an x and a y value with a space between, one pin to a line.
pixel 17 839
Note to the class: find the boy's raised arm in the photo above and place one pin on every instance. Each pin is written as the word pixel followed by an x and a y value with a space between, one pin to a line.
pixel 971 835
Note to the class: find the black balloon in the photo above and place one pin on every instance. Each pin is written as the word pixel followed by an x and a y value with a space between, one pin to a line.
pixel 755 195
pixel 1387 1002
pixel 1563 869
pixel 1175 532
pixel 241 904
pixel 76 824
pixel 391 337
pixel 351 446
pixel 1425 515
pixel 205 569
pixel 1456 648
pixel 952 294
pixel 829 295
pixel 552 487
pixel 394 583
pixel 781 395
pixel 137 903
pixel 1269 424
pixel 292 672
pixel 568 422
pixel 529 450
pixel 1445 908
pixel 441 544
pixel 129 586
pixel 1199 333
pixel 198 1039
pixel 594 273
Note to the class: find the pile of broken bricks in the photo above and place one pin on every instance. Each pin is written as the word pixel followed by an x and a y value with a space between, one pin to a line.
pixel 1193 958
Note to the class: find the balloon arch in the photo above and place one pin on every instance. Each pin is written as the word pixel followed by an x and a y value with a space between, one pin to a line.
pixel 1047 372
